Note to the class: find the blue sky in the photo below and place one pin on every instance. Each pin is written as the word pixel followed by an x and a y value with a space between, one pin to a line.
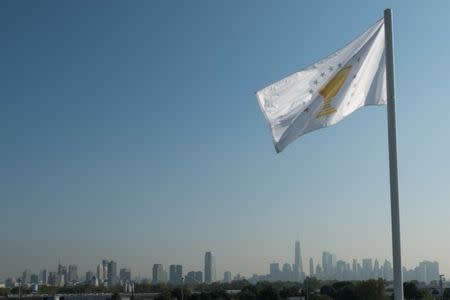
pixel 131 131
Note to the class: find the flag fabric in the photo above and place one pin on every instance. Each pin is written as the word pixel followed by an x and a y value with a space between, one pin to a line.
pixel 328 91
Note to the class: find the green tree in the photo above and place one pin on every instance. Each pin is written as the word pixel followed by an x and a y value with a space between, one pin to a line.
pixel 370 290
pixel 164 295
pixel 345 290
pixel 328 290
pixel 268 293
pixel 289 291
pixel 411 291
pixel 176 292
pixel 310 285
pixel 248 292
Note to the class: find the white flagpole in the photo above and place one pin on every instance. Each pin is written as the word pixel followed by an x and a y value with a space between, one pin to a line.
pixel 395 215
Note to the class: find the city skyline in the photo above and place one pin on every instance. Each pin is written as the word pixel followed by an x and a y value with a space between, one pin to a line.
pixel 330 267
pixel 132 132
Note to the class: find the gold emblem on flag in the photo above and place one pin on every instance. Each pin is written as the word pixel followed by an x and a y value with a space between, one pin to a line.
pixel 329 90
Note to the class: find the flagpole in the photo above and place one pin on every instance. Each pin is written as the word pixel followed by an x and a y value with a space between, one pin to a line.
pixel 393 171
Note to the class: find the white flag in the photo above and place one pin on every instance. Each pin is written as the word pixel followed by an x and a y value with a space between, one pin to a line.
pixel 329 90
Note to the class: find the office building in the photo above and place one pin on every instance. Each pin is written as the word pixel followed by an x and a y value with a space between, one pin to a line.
pixel 227 277
pixel 274 271
pixel 311 267
pixel 176 274
pixel 298 264
pixel 158 274
pixel 72 274
pixel 210 271
pixel 112 273
pixel 43 277
pixel 34 279
pixel 193 277
pixel 327 265
pixel 89 277
pixel 125 275
pixel 367 269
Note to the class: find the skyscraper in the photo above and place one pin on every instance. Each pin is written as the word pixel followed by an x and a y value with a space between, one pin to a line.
pixel 100 274
pixel 210 271
pixel 387 270
pixel 376 270
pixel 176 274
pixel 34 279
pixel 327 265
pixel 62 275
pixel 275 271
pixel 193 277
pixel 311 267
pixel 89 277
pixel 73 273
pixel 298 265
pixel 355 274
pixel 227 277
pixel 125 274
pixel 112 273
pixel 367 269
pixel 43 275
pixel 158 273
pixel 105 263
pixel 26 277
pixel 51 280
pixel 286 272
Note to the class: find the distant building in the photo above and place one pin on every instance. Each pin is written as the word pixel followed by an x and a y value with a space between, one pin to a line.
pixel 176 274
pixel 43 276
pixel 26 277
pixel 274 271
pixel 60 280
pixel 427 271
pixel 311 267
pixel 355 270
pixel 125 274
pixel 210 271
pixel 105 263
pixel 327 265
pixel 112 273
pixel 34 279
pixel 10 282
pixel 341 270
pixel 319 271
pixel 376 270
pixel 198 276
pixel 286 272
pixel 387 271
pixel 193 277
pixel 62 270
pixel 52 278
pixel 89 276
pixel 100 275
pixel 227 277
pixel 367 269
pixel 158 273
pixel 73 273
pixel 298 264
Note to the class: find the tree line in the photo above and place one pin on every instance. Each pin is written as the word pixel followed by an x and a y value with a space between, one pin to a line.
pixel 310 289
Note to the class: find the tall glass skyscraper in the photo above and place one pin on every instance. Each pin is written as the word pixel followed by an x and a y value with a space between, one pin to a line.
pixel 210 270
pixel 298 265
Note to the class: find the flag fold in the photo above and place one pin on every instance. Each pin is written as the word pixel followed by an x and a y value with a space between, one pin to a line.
pixel 328 91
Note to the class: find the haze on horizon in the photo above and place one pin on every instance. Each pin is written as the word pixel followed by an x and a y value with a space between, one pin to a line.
pixel 131 132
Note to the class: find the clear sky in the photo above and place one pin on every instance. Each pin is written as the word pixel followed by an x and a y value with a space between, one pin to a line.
pixel 130 131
